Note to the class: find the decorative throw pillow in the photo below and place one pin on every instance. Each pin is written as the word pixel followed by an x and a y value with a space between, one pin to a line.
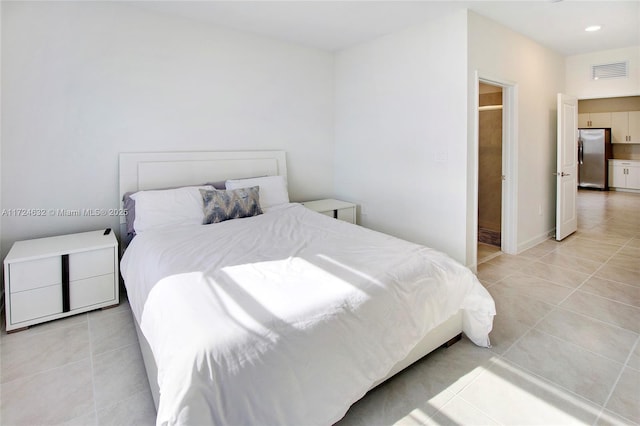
pixel 232 204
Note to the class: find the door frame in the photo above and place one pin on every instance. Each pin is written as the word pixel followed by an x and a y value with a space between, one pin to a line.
pixel 509 220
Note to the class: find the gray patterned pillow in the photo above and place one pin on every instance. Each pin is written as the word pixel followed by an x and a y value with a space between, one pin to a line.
pixel 232 204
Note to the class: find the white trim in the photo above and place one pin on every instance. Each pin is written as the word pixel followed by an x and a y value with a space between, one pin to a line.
pixel 637 191
pixel 510 167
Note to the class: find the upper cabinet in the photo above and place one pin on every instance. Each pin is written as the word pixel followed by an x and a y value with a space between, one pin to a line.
pixel 594 119
pixel 625 127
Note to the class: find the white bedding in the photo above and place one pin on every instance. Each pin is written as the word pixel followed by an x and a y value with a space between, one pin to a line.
pixel 289 317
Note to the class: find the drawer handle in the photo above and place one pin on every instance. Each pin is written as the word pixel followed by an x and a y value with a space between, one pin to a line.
pixel 66 304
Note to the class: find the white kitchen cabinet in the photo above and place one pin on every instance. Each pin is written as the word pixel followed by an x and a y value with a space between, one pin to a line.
pixel 624 174
pixel 594 120
pixel 55 277
pixel 335 208
pixel 625 127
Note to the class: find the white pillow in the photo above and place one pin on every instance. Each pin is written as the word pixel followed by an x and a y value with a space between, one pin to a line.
pixel 273 189
pixel 168 207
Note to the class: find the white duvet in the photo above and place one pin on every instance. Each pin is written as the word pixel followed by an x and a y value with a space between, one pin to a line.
pixel 289 317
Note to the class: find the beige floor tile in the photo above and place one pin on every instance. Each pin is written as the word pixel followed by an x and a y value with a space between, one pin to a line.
pixel 588 249
pixel 512 304
pixel 423 388
pixel 382 407
pixel 623 261
pixel 607 418
pixel 486 252
pixel 571 262
pixel 634 359
pixel 118 375
pixel 596 336
pixel 606 310
pixel 136 410
pixel 511 262
pixel 541 249
pixel 620 227
pixel 397 401
pixel 86 420
pixel 49 397
pixel 112 331
pixel 634 242
pixel 625 399
pixel 556 274
pixel 490 274
pixel 44 327
pixel 27 353
pixel 460 412
pixel 506 331
pixel 455 367
pixel 623 293
pixel 578 370
pixel 123 306
pixel 604 235
pixel 535 288
pixel 629 250
pixel 513 396
pixel 625 276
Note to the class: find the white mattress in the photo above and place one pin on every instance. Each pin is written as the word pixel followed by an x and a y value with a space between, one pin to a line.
pixel 289 317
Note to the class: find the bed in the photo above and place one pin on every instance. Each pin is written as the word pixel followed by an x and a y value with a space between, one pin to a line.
pixel 283 316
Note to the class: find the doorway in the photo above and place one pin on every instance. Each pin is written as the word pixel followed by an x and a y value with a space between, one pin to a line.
pixel 490 130
pixel 507 170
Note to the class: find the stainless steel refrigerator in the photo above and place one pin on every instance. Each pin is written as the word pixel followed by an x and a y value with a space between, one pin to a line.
pixel 594 151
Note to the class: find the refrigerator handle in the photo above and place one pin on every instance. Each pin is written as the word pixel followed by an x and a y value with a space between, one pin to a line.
pixel 580 152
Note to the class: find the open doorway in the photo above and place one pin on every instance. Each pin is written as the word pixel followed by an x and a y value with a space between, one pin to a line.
pixel 489 171
pixel 502 100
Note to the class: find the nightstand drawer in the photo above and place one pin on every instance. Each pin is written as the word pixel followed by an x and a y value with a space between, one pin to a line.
pixel 90 263
pixel 38 303
pixel 91 291
pixel 37 273
pixel 348 215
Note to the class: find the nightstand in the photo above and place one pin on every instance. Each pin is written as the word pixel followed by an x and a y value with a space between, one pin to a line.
pixel 335 208
pixel 55 277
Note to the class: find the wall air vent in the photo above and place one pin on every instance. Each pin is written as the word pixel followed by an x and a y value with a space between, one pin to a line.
pixel 613 70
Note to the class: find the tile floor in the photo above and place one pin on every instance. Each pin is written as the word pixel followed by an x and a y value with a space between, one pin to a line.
pixel 565 349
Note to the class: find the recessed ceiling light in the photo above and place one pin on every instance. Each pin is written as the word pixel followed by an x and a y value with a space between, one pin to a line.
pixel 593 28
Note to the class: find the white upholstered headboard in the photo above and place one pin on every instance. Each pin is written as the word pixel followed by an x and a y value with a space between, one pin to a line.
pixel 155 170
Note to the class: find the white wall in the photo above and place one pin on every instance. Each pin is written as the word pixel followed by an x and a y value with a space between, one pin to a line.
pixel 578 74
pixel 83 81
pixel 538 73
pixel 401 111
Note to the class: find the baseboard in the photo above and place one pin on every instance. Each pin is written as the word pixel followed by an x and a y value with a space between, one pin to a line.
pixel 637 191
pixel 535 241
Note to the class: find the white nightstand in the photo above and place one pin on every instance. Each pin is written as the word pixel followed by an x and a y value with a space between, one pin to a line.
pixel 335 208
pixel 55 277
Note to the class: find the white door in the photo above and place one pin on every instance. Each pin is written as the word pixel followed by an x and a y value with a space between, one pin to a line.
pixel 567 169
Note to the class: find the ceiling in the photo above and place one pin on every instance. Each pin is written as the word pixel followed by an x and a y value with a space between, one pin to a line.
pixel 335 25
